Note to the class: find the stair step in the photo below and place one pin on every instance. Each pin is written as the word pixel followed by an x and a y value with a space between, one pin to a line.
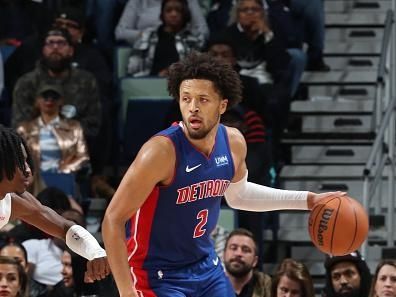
pixel 337 77
pixel 345 92
pixel 352 63
pixel 332 106
pixel 327 138
pixel 330 154
pixel 343 6
pixel 337 123
pixel 315 172
pixel 353 34
pixel 355 19
pixel 352 48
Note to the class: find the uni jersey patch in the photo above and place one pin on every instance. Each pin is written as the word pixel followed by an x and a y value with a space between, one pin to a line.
pixel 221 161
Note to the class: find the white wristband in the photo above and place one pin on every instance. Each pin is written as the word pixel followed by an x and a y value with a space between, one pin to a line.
pixel 80 241
pixel 245 195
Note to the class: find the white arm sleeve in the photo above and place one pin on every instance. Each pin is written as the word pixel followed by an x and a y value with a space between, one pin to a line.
pixel 80 241
pixel 249 196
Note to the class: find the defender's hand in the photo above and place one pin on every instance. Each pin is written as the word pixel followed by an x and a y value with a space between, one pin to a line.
pixel 97 269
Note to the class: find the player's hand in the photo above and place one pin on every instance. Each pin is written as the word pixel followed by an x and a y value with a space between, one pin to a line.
pixel 97 269
pixel 314 198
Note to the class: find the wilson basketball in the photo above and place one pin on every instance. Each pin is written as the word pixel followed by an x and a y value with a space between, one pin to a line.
pixel 338 225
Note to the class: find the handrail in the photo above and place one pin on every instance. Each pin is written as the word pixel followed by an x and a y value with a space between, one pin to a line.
pixel 384 46
pixel 384 123
pixel 378 139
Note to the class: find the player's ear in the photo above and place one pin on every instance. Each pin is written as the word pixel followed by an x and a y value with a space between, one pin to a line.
pixel 223 106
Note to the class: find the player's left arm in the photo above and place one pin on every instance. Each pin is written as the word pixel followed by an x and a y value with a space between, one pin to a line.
pixel 27 208
pixel 245 195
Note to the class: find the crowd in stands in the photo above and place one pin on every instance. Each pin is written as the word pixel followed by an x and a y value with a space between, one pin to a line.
pixel 57 88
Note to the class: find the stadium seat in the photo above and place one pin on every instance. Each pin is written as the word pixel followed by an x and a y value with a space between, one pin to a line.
pixel 144 118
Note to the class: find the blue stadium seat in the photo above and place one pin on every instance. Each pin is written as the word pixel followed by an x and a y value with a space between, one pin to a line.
pixel 144 118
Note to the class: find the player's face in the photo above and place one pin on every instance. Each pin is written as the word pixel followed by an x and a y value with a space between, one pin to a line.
pixel 345 278
pixel 201 107
pixel 385 285
pixel 240 255
pixel 67 270
pixel 20 181
pixel 288 288
pixel 9 280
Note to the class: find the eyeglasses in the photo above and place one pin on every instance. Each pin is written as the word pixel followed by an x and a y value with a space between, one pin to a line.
pixel 53 43
pixel 67 24
pixel 250 9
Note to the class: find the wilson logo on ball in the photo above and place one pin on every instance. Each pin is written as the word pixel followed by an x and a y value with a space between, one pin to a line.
pixel 326 216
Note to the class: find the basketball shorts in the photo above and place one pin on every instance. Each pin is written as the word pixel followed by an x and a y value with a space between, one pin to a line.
pixel 203 279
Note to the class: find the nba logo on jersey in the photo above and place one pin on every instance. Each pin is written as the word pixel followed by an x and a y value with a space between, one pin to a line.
pixel 221 161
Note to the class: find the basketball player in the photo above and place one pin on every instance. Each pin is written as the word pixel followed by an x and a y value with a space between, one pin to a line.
pixel 171 193
pixel 16 203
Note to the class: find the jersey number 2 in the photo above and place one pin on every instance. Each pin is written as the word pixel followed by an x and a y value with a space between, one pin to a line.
pixel 203 217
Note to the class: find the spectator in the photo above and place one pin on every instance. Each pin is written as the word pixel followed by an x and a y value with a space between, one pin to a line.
pixel 45 256
pixel 15 250
pixel 292 278
pixel 262 54
pixel 141 14
pixel 80 87
pixel 85 55
pixel 58 144
pixel 240 260
pixel 347 276
pixel 259 52
pixel 13 278
pixel 158 48
pixel 301 21
pixel 384 281
pixel 80 90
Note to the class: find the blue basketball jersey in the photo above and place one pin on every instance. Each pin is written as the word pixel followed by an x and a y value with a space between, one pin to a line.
pixel 172 228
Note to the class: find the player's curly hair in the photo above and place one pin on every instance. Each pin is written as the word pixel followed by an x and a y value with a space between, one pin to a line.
pixel 11 154
pixel 203 66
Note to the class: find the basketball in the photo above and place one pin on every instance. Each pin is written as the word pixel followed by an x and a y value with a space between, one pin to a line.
pixel 338 225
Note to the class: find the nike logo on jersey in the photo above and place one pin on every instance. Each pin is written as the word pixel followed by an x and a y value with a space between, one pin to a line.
pixel 215 261
pixel 188 169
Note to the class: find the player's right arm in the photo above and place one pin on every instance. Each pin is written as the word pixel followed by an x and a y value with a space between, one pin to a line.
pixel 153 165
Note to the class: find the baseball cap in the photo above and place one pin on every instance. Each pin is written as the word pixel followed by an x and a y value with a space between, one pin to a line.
pixel 72 14
pixel 58 32
pixel 354 257
pixel 45 87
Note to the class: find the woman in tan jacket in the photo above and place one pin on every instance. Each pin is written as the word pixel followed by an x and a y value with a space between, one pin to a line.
pixel 57 143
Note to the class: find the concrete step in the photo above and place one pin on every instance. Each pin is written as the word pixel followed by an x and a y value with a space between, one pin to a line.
pixel 320 172
pixel 342 6
pixel 329 154
pixel 337 124
pixel 352 48
pixel 353 63
pixel 353 34
pixel 355 20
pixel 328 106
pixel 344 92
pixel 340 78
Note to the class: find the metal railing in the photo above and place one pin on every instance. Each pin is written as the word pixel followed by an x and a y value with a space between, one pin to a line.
pixel 381 156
